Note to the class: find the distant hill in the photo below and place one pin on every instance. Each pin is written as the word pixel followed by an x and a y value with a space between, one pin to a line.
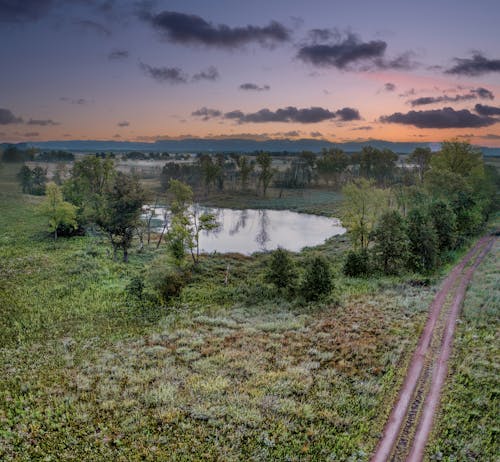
pixel 230 145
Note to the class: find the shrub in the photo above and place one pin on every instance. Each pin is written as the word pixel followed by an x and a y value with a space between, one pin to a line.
pixel 424 250
pixel 167 278
pixel 135 288
pixel 357 263
pixel 281 271
pixel 317 281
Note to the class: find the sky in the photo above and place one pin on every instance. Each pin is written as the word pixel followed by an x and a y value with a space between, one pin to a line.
pixel 397 70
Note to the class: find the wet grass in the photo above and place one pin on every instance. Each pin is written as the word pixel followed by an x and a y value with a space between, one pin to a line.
pixel 227 372
pixel 467 427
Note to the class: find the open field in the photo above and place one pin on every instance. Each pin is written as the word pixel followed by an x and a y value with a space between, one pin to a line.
pixel 228 372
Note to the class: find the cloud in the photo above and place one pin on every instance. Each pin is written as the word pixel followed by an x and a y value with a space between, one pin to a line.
pixel 389 86
pixel 24 10
pixel 491 136
pixel 253 87
pixel 42 122
pixel 116 55
pixel 7 117
pixel 125 123
pixel 477 65
pixel 316 134
pixel 207 113
pixel 476 93
pixel 79 101
pixel 487 110
pixel 362 128
pixel 286 115
pixel 190 29
pixel 440 118
pixel 92 26
pixel 31 134
pixel 211 74
pixel 172 75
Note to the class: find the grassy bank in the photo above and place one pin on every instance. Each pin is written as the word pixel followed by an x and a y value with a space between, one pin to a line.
pixel 467 427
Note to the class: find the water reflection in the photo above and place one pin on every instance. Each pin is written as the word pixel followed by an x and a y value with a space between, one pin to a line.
pixel 248 231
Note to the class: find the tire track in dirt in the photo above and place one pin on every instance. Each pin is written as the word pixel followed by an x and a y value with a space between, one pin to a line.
pixel 407 429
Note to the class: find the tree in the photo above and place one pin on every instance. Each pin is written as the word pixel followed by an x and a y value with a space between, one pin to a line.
pixel 445 223
pixel 266 172
pixel 245 168
pixel 362 206
pixel 281 271
pixel 423 241
pixel 377 164
pixel 458 157
pixel 58 212
pixel 120 211
pixel 332 164
pixel 317 280
pixel 391 243
pixel 357 263
pixel 421 157
pixel 25 177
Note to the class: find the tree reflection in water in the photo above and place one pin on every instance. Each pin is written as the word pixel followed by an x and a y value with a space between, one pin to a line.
pixel 262 237
pixel 240 223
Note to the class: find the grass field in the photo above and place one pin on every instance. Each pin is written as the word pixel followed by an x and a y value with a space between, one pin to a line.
pixel 227 372
pixel 468 427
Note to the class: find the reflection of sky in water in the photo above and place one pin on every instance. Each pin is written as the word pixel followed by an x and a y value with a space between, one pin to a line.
pixel 248 231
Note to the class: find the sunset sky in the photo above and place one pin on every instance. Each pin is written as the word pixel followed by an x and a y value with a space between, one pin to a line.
pixel 126 70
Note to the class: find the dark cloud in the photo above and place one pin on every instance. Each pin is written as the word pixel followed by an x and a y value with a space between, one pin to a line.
pixel 79 101
pixel 287 114
pixel 190 29
pixel 292 134
pixel 172 75
pixel 477 65
pixel 93 26
pixel 253 87
pixel 484 93
pixel 440 118
pixel 42 122
pixel 362 128
pixel 491 136
pixel 125 123
pixel 481 93
pixel 389 86
pixel 116 55
pixel 7 117
pixel 211 74
pixel 487 110
pixel 31 134
pixel 347 51
pixel 315 134
pixel 207 113
pixel 23 10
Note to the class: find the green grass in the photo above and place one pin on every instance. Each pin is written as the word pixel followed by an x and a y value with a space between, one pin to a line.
pixel 225 373
pixel 468 427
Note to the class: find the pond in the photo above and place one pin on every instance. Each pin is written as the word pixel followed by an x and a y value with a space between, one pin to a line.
pixel 249 231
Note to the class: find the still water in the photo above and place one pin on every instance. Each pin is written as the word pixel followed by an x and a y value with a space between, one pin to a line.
pixel 248 231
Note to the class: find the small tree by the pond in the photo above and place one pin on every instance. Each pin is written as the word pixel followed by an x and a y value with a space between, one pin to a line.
pixel 58 212
pixel 357 263
pixel 120 211
pixel 266 172
pixel 317 281
pixel 281 270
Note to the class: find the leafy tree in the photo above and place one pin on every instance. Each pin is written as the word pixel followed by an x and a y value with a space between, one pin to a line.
pixel 317 280
pixel 458 157
pixel 377 164
pixel 120 212
pixel 12 154
pixel 424 243
pixel 281 270
pixel 362 206
pixel 210 171
pixel 445 223
pixel 332 164
pixel 266 172
pixel 25 177
pixel 59 213
pixel 245 168
pixel 421 157
pixel 357 263
pixel 199 222
pixel 391 243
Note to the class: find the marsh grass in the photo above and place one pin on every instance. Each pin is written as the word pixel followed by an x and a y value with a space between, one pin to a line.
pixel 224 372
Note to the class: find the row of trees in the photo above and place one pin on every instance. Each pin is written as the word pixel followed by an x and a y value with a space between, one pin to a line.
pixel 415 227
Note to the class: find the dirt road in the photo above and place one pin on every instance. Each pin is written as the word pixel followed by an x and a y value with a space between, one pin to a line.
pixel 410 422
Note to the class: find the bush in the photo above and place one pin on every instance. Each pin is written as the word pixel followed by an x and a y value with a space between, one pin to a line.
pixel 357 264
pixel 424 244
pixel 167 279
pixel 317 281
pixel 135 288
pixel 281 271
